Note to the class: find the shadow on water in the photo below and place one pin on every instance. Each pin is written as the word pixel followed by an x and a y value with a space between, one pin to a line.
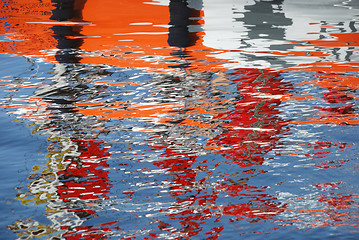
pixel 182 126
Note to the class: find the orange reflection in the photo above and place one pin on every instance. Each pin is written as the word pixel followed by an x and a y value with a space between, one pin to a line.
pixel 339 40
pixel 26 38
pixel 102 33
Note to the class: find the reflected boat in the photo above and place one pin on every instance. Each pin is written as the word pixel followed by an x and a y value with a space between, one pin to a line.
pixel 181 126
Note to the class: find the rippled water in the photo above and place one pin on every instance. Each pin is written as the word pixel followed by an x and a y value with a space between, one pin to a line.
pixel 129 119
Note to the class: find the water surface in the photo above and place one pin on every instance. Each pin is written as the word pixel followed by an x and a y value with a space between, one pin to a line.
pixel 179 119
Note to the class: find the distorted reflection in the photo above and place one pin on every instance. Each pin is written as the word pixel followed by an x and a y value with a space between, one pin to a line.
pixel 183 119
pixel 67 11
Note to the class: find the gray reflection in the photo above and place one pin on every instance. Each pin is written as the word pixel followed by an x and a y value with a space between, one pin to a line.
pixel 265 18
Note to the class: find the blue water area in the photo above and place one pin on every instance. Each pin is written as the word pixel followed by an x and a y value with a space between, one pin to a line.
pixel 179 119
pixel 20 150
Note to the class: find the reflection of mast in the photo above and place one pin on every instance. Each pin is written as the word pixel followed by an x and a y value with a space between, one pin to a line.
pixel 67 10
pixel 179 34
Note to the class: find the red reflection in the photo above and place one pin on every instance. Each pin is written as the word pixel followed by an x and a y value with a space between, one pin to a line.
pixel 249 131
pixel 82 182
pixel 320 151
pixel 252 128
pixel 93 182
pixel 337 205
pixel 86 233
pixel 338 202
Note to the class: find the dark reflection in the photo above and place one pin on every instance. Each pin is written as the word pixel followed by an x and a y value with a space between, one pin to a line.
pixel 181 17
pixel 67 52
pixel 180 14
pixel 67 10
